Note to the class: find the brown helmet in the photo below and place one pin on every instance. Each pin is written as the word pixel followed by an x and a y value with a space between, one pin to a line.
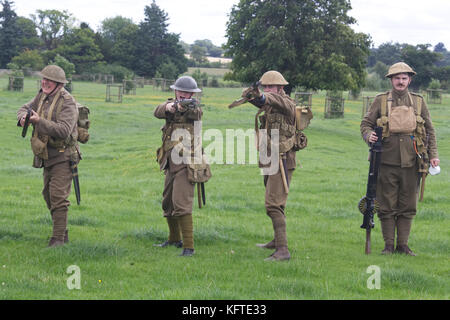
pixel 54 73
pixel 273 78
pixel 400 67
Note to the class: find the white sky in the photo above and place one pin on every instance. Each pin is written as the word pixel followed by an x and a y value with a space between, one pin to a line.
pixel 404 21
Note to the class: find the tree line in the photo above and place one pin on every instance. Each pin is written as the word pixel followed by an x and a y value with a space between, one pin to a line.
pixel 310 42
pixel 146 48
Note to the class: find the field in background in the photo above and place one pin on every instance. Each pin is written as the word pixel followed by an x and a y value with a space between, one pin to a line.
pixel 113 230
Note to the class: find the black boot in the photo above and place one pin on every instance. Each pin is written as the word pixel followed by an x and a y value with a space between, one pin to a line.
pixel 187 252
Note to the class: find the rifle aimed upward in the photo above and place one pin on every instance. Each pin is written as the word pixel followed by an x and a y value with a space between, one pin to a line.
pixel 246 96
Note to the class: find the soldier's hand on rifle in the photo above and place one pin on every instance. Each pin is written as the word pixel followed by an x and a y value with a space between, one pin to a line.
pixel 170 107
pixel 22 120
pixel 373 137
pixel 34 117
pixel 251 93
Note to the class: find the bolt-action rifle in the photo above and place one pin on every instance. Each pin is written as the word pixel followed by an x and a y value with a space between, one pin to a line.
pixel 247 95
pixel 186 103
pixel 368 205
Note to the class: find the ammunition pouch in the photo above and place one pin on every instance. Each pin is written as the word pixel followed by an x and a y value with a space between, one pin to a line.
pixel 83 123
pixel 301 142
pixel 199 172
pixel 39 147
pixel 384 123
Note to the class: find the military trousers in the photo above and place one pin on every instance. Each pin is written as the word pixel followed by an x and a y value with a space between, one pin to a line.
pixel 397 191
pixel 57 187
pixel 178 194
pixel 275 203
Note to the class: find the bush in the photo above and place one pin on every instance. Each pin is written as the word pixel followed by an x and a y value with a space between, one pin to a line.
pixel 29 59
pixel 66 65
pixel 119 72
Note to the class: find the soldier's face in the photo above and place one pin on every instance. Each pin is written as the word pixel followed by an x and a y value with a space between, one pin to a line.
pixel 48 85
pixel 400 81
pixel 272 88
pixel 181 95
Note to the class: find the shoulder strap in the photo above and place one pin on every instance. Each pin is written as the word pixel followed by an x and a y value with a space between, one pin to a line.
pixel 419 105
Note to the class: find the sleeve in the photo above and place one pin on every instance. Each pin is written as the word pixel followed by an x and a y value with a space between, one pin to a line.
pixel 160 111
pixel 65 122
pixel 283 104
pixel 369 121
pixel 432 144
pixel 23 110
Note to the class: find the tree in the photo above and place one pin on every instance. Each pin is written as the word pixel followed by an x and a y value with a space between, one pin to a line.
pixel 9 33
pixel 389 53
pixel 113 34
pixel 28 37
pixel 422 61
pixel 53 25
pixel 155 46
pixel 310 42
pixel 79 47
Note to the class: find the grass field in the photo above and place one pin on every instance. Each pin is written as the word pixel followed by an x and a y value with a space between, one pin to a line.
pixel 120 218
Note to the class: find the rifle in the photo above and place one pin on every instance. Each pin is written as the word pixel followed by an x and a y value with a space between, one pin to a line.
pixel 368 205
pixel 247 97
pixel 76 182
pixel 186 103
pixel 27 122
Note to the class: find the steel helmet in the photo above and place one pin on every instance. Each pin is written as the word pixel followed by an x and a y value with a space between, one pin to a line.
pixel 273 78
pixel 185 83
pixel 54 73
pixel 400 67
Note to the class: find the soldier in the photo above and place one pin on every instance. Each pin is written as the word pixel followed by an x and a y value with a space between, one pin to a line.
pixel 408 142
pixel 54 117
pixel 178 191
pixel 279 113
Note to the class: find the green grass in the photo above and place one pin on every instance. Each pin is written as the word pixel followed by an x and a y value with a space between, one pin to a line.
pixel 120 218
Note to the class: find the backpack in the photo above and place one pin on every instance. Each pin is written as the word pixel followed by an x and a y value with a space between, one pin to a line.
pixel 83 123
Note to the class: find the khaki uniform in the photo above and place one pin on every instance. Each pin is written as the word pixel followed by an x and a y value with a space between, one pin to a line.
pixel 398 176
pixel 279 113
pixel 178 194
pixel 59 129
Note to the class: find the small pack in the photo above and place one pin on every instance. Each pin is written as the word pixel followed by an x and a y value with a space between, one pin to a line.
pixel 83 123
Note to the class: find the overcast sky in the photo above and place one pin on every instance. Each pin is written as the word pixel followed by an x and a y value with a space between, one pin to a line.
pixel 403 21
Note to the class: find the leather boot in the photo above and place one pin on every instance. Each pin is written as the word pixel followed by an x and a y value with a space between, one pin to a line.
pixel 177 244
pixel 403 231
pixel 55 242
pixel 280 254
pixel 59 218
pixel 187 252
pixel 269 245
pixel 388 231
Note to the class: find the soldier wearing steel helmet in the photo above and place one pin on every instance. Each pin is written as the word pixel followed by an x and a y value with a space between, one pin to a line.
pixel 276 111
pixel 178 191
pixel 54 118
pixel 409 147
